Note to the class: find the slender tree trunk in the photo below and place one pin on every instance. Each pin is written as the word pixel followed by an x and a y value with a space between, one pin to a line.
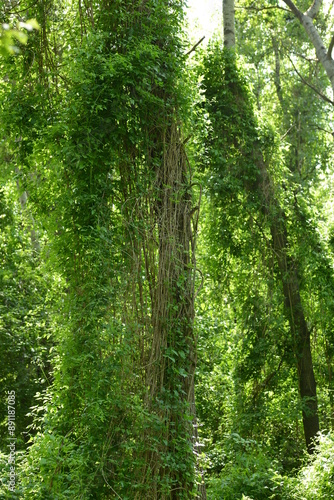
pixel 229 24
pixel 330 382
pixel 299 330
pixel 288 270
pixel 300 334
pixel 277 75
pixel 31 227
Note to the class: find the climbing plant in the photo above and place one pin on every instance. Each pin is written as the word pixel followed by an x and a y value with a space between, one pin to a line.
pixel 108 177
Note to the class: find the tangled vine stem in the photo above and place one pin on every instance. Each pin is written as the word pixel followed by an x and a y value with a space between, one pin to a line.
pixel 161 228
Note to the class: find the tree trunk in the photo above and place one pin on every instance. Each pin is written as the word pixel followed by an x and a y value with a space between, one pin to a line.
pixel 31 227
pixel 300 334
pixel 306 21
pixel 276 218
pixel 229 25
pixel 172 363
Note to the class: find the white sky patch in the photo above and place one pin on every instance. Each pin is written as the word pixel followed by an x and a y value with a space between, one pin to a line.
pixel 204 17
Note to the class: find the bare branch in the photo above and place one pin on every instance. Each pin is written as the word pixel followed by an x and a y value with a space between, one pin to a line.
pixel 315 38
pixel 323 96
pixel 286 133
pixel 314 9
pixel 308 59
pixel 258 9
pixel 13 7
pixel 331 132
pixel 195 46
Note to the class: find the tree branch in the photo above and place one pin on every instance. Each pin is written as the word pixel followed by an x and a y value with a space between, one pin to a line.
pixel 195 46
pixel 331 132
pixel 308 59
pixel 315 38
pixel 314 9
pixel 330 48
pixel 258 9
pixel 323 96
pixel 294 9
pixel 262 385
pixel 286 133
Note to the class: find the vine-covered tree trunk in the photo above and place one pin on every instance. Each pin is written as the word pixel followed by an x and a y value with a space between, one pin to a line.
pixel 172 362
pixel 300 334
pixel 288 268
pixel 120 223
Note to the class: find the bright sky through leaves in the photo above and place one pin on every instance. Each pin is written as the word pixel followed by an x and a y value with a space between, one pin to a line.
pixel 204 17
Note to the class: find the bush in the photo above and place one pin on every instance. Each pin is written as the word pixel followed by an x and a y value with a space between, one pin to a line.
pixel 315 481
pixel 248 473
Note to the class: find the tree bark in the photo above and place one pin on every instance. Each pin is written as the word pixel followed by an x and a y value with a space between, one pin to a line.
pixel 172 362
pixel 314 9
pixel 229 25
pixel 306 21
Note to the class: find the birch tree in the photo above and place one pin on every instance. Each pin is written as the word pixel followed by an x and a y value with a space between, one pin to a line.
pixel 306 19
pixel 228 23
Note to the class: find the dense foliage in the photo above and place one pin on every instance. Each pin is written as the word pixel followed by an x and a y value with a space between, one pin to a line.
pixel 166 238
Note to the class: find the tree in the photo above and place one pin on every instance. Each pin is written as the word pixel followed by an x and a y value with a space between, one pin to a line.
pixel 262 185
pixel 306 20
pixel 302 121
pixel 109 178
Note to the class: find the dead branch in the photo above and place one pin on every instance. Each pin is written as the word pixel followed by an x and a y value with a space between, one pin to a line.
pixel 195 46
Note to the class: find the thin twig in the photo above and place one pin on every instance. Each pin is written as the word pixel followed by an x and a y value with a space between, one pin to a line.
pixel 195 46
pixel 262 385
pixel 104 477
pixel 323 96
pixel 258 9
pixel 331 132
pixel 286 133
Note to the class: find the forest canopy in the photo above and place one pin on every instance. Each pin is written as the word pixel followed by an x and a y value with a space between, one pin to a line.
pixel 167 251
